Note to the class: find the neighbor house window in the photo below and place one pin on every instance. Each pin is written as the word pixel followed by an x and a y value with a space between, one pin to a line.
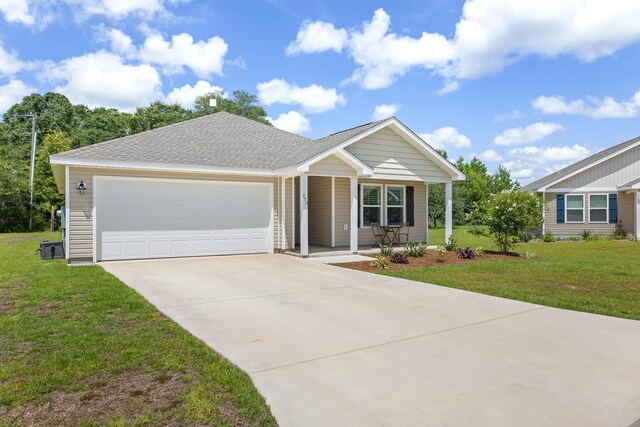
pixel 598 207
pixel 574 207
pixel 395 205
pixel 371 204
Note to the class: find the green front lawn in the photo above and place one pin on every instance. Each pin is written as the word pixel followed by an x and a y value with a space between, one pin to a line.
pixel 77 346
pixel 598 277
pixel 463 238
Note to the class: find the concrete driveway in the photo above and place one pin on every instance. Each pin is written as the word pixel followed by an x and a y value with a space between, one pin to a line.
pixel 328 346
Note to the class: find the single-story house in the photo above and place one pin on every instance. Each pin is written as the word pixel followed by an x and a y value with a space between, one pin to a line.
pixel 598 194
pixel 223 184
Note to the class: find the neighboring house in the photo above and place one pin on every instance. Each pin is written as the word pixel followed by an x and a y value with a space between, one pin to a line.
pixel 223 184
pixel 598 194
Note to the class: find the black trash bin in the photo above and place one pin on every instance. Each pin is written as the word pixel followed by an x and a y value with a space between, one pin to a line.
pixel 51 249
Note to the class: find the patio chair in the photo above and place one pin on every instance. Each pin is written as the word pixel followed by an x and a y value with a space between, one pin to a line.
pixel 377 234
pixel 404 232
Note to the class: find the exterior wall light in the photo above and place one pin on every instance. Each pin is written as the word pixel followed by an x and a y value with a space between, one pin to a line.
pixel 81 187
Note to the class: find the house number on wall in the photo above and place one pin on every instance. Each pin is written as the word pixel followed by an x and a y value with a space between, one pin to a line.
pixel 304 198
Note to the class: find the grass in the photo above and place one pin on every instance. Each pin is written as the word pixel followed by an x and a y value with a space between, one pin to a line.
pixel 598 276
pixel 78 334
pixel 463 237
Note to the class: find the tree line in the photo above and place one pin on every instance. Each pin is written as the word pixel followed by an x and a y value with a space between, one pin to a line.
pixel 62 126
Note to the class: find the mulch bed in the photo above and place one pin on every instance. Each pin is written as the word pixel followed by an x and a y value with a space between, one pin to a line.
pixel 430 259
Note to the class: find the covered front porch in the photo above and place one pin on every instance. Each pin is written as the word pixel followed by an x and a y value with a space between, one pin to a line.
pixel 332 215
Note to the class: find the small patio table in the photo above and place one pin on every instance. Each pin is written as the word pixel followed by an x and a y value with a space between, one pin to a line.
pixel 390 234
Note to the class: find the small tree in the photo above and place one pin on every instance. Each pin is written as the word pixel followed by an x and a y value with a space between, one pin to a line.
pixel 507 216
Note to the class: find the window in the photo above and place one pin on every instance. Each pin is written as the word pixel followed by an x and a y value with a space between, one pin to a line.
pixel 395 205
pixel 598 207
pixel 574 207
pixel 371 204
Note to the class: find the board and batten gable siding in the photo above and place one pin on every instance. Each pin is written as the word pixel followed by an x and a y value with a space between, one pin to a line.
pixel 81 206
pixel 625 214
pixel 331 166
pixel 320 210
pixel 392 157
pixel 623 168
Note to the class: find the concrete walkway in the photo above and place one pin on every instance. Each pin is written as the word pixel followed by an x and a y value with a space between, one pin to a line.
pixel 328 346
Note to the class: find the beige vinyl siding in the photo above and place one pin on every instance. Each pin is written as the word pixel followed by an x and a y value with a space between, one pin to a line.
pixel 392 157
pixel 625 213
pixel 331 166
pixel 619 170
pixel 81 206
pixel 319 210
pixel 343 211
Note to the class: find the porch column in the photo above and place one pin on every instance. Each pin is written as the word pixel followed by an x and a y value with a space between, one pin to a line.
pixel 304 215
pixel 333 211
pixel 448 218
pixel 426 213
pixel 354 215
pixel 638 214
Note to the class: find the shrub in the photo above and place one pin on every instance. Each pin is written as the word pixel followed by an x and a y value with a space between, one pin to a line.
pixel 507 216
pixel 528 255
pixel 585 234
pixel 415 249
pixel 466 253
pixel 380 262
pixel 479 251
pixel 385 250
pixel 632 237
pixel 399 258
pixel 548 237
pixel 441 251
pixel 618 234
pixel 451 245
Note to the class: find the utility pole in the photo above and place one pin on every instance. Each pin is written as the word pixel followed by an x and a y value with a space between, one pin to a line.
pixel 34 135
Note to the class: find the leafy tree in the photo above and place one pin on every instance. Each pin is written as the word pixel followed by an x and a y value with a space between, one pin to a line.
pixel 46 193
pixel 501 180
pixel 158 114
pixel 102 124
pixel 508 215
pixel 242 104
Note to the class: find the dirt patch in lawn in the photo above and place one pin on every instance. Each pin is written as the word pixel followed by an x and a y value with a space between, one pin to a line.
pixel 127 395
pixel 8 300
pixel 430 259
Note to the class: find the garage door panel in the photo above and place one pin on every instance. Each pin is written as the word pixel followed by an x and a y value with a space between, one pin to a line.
pixel 158 218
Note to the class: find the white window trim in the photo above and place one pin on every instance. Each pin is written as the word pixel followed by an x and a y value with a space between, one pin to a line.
pixel 404 201
pixel 380 206
pixel 566 208
pixel 607 208
pixel 383 202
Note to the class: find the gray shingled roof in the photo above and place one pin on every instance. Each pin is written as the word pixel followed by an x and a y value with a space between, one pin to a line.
pixel 216 140
pixel 578 165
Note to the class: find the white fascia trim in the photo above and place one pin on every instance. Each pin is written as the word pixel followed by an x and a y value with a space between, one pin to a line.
pixel 590 165
pixel 413 138
pixel 168 167
pixel 361 167
pixel 582 190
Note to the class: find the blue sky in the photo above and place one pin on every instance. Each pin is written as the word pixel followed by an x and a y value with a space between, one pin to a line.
pixel 531 85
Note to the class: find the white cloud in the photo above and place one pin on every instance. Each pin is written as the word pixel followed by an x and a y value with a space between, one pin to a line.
pixel 292 121
pixel 316 37
pixel 511 115
pixel 119 9
pixel 313 98
pixel 187 94
pixel 529 163
pixel 489 36
pixel 446 138
pixel 605 108
pixel 526 135
pixel 119 42
pixel 16 11
pixel 12 93
pixel 489 156
pixel 384 111
pixel 102 79
pixel 9 62
pixel 204 58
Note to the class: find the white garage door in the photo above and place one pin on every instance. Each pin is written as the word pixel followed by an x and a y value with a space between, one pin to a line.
pixel 153 218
